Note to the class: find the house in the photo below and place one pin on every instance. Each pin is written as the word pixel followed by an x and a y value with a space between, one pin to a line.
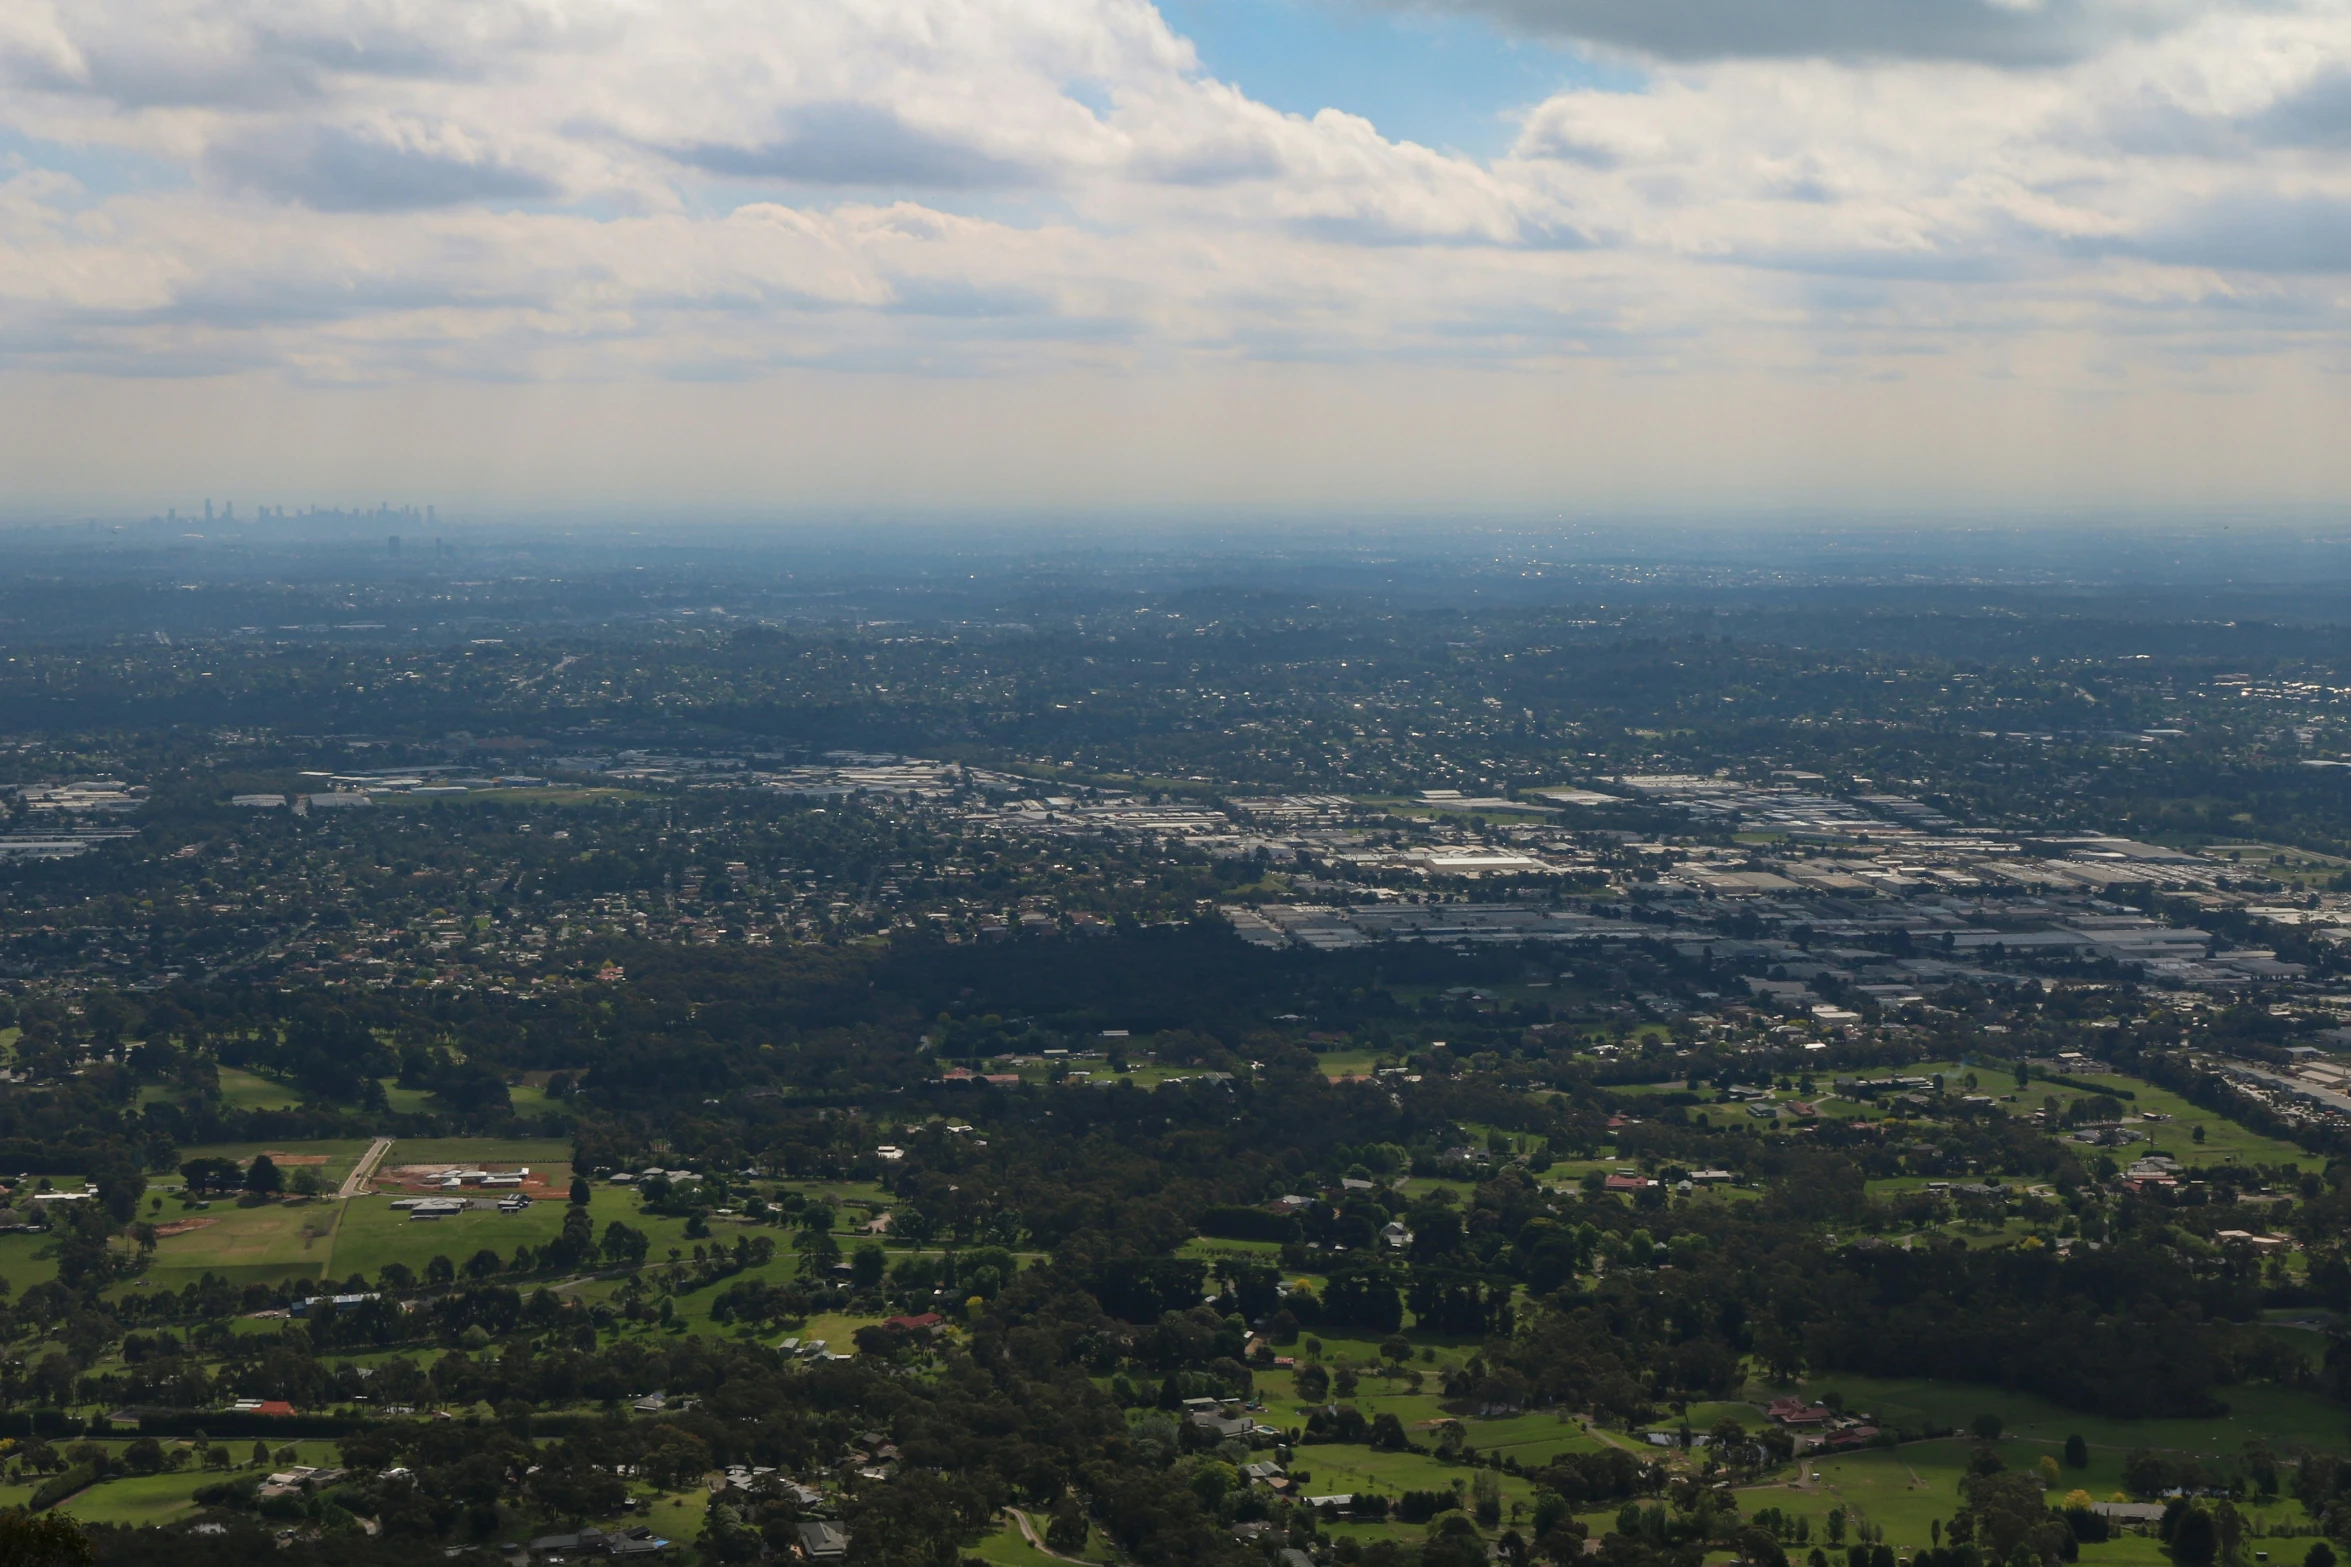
pixel 2263 1243
pixel 550 1548
pixel 1395 1235
pixel 926 1322
pixel 1623 1183
pixel 262 1406
pixel 1223 1425
pixel 2129 1512
pixel 562 1547
pixel 1795 1412
pixel 822 1541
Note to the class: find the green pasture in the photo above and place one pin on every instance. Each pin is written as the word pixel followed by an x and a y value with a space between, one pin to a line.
pixel 243 1090
pixel 1351 1062
pixel 159 1498
pixel 375 1233
pixel 1907 1490
pixel 278 1240
pixel 341 1153
pixel 537 1152
pixel 405 1101
pixel 2284 1417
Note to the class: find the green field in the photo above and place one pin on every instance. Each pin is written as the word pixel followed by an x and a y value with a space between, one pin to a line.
pixel 276 1241
pixel 326 1239
pixel 1906 1491
pixel 242 1090
pixel 158 1498
pixel 2225 1141
pixel 340 1153
pixel 21 1263
pixel 374 1233
pixel 533 1151
pixel 2284 1416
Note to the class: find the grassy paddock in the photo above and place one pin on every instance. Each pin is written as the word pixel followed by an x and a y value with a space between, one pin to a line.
pixel 2282 1416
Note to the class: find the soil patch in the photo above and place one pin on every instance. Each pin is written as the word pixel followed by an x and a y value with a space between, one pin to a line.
pixel 181 1227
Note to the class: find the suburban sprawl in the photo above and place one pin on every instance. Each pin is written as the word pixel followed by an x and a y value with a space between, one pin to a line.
pixel 753 1065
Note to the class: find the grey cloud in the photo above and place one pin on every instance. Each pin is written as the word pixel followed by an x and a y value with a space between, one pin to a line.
pixel 1220 163
pixel 335 170
pixel 857 144
pixel 149 74
pixel 2050 33
pixel 397 55
pixel 1379 229
pixel 139 62
pixel 2256 233
pixel 960 297
pixel 2317 116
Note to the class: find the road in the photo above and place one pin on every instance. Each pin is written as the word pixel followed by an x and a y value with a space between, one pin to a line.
pixel 1028 1532
pixel 356 1181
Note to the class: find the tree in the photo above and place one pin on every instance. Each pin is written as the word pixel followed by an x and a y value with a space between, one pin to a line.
pixel 262 1177
pixel 2320 1554
pixel 2195 1541
pixel 42 1540
pixel 2077 1452
pixel 1987 1428
pixel 1067 1530
pixel 213 1175
pixel 624 1245
pixel 579 1191
pixel 866 1264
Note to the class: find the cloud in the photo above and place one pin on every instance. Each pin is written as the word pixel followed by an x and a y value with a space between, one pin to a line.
pixel 494 190
pixel 2317 114
pixel 859 144
pixel 2258 233
pixel 331 169
pixel 2008 33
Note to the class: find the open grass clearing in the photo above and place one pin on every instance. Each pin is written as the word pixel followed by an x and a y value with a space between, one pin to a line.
pixel 338 1155
pixel 374 1233
pixel 275 1240
pixel 243 1090
pixel 2284 1417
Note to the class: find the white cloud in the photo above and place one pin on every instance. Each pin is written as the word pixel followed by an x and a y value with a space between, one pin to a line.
pixel 363 192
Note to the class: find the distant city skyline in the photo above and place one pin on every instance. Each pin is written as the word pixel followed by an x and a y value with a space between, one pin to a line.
pixel 1523 255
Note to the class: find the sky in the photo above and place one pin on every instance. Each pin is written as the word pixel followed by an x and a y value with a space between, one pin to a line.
pixel 1551 257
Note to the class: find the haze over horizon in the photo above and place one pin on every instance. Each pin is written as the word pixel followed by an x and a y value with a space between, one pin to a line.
pixel 1523 255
